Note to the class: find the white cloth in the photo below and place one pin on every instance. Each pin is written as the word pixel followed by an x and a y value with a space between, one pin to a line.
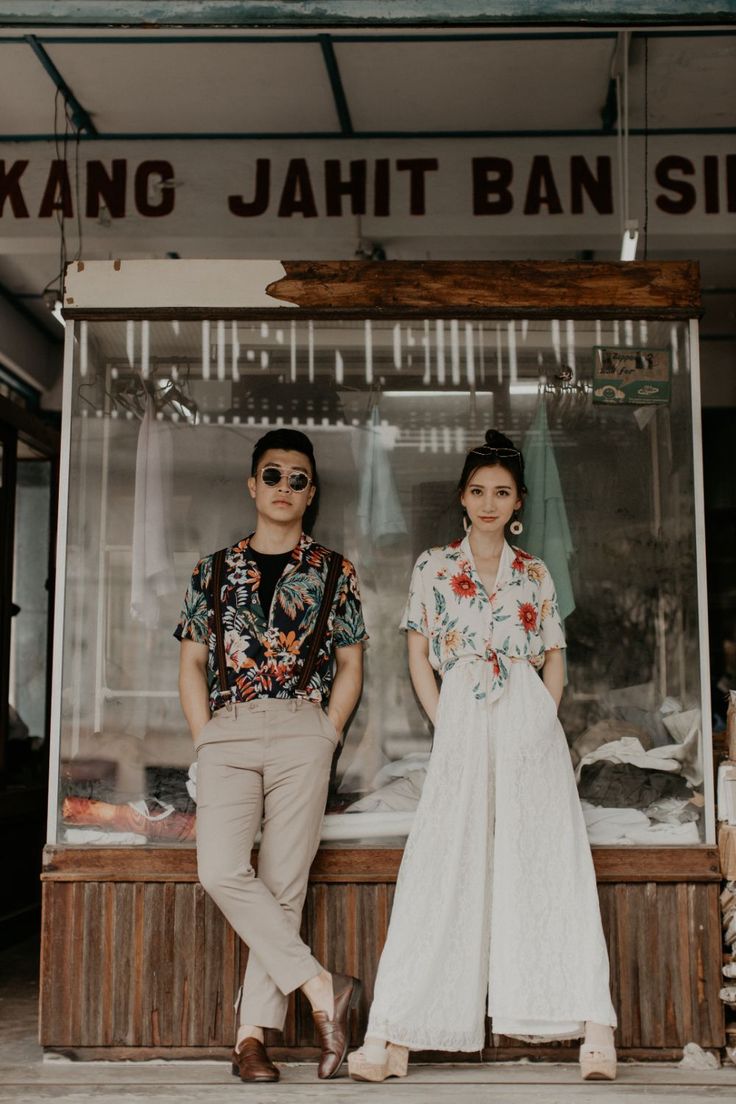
pixel 678 758
pixel 152 567
pixel 628 827
pixel 501 904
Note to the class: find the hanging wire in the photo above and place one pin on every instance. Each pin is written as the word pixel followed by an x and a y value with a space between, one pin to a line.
pixel 646 145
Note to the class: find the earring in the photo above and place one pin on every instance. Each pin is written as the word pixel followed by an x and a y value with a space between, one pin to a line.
pixel 516 527
pixel 466 523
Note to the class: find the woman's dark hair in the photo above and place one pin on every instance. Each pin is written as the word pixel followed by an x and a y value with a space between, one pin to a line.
pixel 497 450
pixel 292 440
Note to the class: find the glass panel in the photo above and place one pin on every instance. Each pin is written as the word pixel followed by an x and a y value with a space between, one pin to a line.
pixel 29 624
pixel 392 408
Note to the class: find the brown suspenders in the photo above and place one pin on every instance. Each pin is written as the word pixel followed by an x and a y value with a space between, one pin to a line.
pixel 316 637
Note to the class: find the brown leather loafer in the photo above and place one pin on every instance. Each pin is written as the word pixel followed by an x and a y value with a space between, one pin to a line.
pixel 334 1034
pixel 251 1063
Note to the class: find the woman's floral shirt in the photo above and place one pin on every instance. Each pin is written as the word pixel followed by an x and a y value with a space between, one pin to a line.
pixel 450 606
pixel 263 652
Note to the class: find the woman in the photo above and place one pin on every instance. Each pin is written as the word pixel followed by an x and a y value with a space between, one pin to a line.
pixel 496 895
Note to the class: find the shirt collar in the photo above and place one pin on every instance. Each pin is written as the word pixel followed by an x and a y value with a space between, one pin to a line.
pixel 297 556
pixel 507 565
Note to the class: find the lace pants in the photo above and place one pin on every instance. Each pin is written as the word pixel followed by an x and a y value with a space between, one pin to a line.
pixel 496 896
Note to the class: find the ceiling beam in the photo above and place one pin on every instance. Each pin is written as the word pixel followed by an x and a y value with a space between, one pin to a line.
pixel 80 118
pixel 368 135
pixel 375 13
pixel 338 89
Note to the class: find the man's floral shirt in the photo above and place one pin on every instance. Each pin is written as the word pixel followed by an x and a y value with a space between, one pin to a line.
pixel 449 605
pixel 264 653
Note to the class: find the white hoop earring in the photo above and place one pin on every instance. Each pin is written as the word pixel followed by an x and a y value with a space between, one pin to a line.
pixel 466 523
pixel 516 527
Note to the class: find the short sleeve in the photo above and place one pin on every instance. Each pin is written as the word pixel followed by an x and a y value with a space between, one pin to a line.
pixel 194 618
pixel 348 627
pixel 551 628
pixel 415 612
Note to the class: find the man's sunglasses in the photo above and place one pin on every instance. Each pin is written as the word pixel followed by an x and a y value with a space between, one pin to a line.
pixel 296 480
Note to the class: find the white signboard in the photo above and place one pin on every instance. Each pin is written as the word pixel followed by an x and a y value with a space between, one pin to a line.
pixel 312 194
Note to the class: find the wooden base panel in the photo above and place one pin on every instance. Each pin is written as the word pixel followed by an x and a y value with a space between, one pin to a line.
pixel 152 966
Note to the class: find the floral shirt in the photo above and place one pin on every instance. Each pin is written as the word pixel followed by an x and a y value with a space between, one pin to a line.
pixel 263 648
pixel 450 606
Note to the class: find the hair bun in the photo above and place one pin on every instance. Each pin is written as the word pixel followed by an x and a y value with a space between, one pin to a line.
pixel 494 439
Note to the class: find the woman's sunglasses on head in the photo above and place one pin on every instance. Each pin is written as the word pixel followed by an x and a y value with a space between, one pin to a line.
pixel 296 480
pixel 491 450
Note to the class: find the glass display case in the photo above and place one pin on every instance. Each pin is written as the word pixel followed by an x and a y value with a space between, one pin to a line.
pixel 164 401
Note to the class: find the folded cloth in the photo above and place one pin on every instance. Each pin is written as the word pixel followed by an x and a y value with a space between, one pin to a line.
pixel 605 732
pixel 630 826
pixel 674 810
pixel 611 825
pixel 399 768
pixel 626 786
pixel 366 826
pixel 103 837
pixel 400 795
pixel 131 817
pixel 629 749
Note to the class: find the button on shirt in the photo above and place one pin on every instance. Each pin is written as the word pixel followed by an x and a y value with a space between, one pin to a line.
pixel 265 650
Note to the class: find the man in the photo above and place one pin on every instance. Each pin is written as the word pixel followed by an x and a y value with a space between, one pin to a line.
pixel 265 745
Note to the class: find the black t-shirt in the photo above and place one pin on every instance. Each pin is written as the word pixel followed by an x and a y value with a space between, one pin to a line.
pixel 270 567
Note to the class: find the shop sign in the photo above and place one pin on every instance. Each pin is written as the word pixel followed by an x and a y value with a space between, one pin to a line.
pixel 316 191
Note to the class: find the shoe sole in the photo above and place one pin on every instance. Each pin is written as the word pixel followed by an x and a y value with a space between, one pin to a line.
pixel 247 1080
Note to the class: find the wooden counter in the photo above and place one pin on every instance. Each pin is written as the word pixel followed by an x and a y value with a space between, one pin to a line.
pixel 138 962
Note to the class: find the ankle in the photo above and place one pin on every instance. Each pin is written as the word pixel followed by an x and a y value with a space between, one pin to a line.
pixel 247 1031
pixel 319 992
pixel 598 1036
pixel 374 1049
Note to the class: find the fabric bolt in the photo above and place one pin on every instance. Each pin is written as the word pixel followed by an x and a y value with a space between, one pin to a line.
pixel 496 904
pixel 450 606
pixel 264 765
pixel 265 650
pixel 152 568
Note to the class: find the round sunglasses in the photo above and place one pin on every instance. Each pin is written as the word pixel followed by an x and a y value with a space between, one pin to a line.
pixel 488 450
pixel 296 480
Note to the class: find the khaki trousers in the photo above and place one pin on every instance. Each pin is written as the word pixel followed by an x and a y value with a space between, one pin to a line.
pixel 264 765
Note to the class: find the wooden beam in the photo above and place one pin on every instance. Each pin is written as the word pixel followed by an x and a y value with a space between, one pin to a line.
pixel 503 289
pixel 359 865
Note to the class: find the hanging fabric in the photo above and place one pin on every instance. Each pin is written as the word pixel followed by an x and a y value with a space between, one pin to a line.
pixel 152 567
pixel 380 516
pixel 546 528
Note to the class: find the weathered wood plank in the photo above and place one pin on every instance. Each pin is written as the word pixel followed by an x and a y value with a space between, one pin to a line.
pixel 358 865
pixel 507 289
pixel 173 982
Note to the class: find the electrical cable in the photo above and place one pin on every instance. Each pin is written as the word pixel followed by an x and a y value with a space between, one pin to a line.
pixel 646 145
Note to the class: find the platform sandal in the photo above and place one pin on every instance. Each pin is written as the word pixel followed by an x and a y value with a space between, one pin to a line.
pixel 395 1064
pixel 597 1063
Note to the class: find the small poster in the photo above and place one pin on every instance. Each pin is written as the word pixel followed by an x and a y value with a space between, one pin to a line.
pixel 622 374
